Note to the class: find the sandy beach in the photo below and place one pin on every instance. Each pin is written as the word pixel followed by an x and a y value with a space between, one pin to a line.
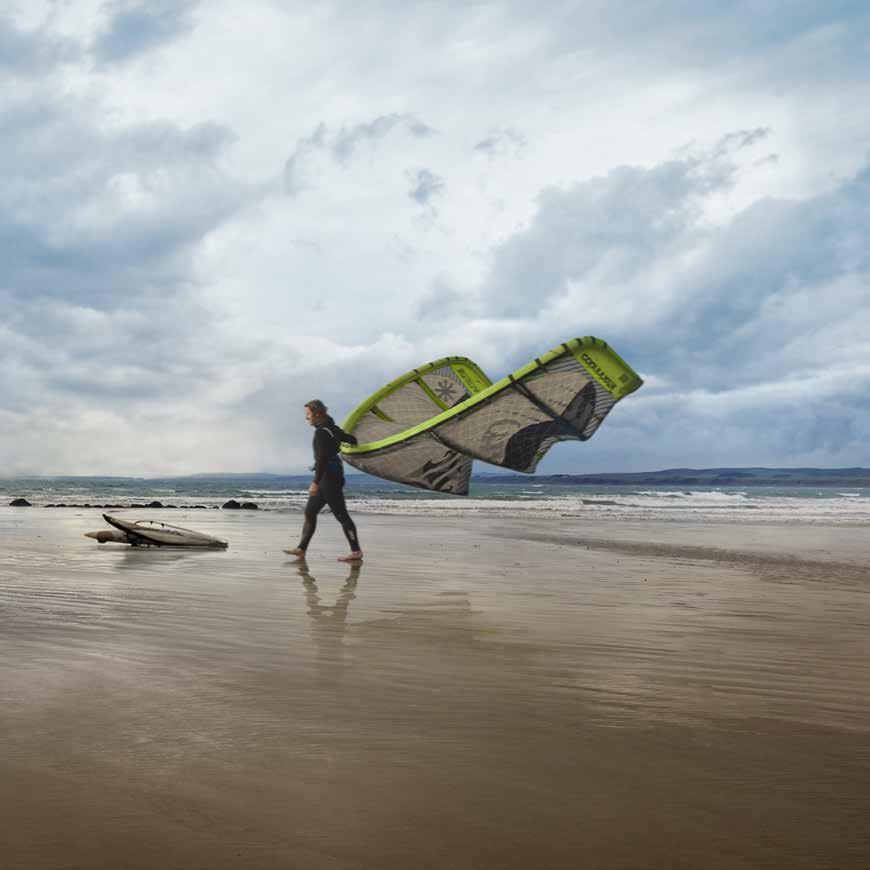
pixel 480 693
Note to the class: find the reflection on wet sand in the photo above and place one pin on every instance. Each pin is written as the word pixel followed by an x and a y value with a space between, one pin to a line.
pixel 329 623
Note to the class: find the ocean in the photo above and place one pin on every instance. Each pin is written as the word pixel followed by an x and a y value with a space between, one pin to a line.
pixel 489 497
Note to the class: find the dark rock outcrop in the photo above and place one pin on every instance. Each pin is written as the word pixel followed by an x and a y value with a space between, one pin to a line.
pixel 20 502
pixel 154 504
pixel 232 505
pixel 250 506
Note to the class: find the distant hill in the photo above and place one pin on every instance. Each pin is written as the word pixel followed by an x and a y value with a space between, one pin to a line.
pixel 844 477
pixel 229 475
pixel 665 477
pixel 706 477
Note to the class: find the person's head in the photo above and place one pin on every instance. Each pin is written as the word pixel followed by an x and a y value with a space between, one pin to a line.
pixel 315 412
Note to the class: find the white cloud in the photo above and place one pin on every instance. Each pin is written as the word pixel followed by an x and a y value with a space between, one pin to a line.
pixel 211 213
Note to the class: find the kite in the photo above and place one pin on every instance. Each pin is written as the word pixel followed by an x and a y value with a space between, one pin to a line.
pixel 425 428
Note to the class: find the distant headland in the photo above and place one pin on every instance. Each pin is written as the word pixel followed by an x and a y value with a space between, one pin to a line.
pixel 756 476
pixel 706 477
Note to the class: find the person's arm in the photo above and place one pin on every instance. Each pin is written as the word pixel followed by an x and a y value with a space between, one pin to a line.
pixel 347 438
pixel 321 455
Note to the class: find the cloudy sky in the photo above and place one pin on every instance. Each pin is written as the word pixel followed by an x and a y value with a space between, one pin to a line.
pixel 211 212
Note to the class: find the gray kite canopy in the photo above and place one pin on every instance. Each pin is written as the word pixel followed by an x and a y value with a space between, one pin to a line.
pixel 425 428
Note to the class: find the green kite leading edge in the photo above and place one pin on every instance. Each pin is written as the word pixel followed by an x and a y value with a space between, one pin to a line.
pixel 425 428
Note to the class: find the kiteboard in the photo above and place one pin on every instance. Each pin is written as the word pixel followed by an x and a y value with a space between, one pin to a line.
pixel 152 533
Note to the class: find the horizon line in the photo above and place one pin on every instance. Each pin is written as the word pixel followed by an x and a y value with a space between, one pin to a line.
pixel 237 474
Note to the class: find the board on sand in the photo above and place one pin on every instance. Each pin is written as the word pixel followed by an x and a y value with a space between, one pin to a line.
pixel 153 533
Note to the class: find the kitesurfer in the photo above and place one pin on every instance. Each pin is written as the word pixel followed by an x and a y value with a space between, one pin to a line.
pixel 327 488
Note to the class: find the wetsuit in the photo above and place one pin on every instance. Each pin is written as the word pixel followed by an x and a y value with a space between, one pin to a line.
pixel 329 477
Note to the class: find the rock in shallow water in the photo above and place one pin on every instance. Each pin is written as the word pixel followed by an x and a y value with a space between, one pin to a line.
pixel 20 502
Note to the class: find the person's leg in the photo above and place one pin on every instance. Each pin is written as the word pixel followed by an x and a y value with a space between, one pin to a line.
pixel 334 493
pixel 312 509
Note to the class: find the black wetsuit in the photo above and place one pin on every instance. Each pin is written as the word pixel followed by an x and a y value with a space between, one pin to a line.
pixel 329 477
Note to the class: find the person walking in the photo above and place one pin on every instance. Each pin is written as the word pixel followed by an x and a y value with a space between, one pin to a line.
pixel 327 488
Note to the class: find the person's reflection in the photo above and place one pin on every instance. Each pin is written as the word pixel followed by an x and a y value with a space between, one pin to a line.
pixel 329 624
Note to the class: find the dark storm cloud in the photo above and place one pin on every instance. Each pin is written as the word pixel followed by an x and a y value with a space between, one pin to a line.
pixel 137 26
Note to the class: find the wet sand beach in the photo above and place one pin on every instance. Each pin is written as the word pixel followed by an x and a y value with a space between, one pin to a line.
pixel 480 693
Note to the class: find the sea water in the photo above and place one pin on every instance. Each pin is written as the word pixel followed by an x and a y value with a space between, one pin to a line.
pixel 511 497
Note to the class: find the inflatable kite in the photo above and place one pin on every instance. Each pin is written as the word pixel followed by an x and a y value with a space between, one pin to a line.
pixel 425 428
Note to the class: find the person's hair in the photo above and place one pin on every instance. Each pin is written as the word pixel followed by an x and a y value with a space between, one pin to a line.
pixel 316 406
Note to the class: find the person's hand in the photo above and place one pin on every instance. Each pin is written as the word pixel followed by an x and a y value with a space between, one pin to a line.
pixel 313 489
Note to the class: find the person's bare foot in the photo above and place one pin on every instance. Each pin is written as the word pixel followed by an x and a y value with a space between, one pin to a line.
pixel 297 552
pixel 355 556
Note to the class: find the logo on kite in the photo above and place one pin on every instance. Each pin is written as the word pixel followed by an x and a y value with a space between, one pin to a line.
pixel 446 391
pixel 608 381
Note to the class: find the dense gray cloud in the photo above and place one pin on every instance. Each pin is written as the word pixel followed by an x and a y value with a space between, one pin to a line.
pixel 96 236
pixel 86 212
pixel 612 229
pixel 757 343
pixel 137 26
pixel 104 323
